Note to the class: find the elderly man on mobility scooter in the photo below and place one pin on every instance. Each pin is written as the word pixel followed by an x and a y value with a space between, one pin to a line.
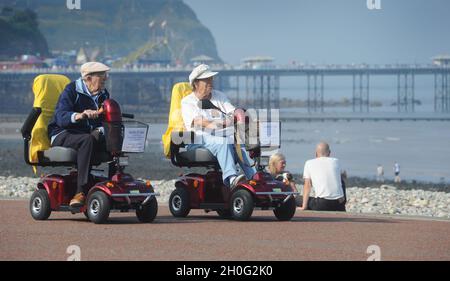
pixel 213 127
pixel 220 189
pixel 76 124
pixel 55 192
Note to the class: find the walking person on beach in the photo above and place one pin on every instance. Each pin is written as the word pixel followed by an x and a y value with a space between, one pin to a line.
pixel 324 175
pixel 380 173
pixel 397 173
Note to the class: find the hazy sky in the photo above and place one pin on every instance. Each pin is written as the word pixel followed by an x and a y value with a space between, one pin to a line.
pixel 328 31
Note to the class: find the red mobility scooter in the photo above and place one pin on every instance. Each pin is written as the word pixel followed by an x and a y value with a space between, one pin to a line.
pixel 207 191
pixel 117 191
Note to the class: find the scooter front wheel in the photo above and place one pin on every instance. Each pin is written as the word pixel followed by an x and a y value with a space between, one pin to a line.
pixel 286 211
pixel 99 206
pixel 241 205
pixel 147 212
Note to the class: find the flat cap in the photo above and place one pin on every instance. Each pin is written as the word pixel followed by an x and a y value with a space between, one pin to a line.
pixel 91 67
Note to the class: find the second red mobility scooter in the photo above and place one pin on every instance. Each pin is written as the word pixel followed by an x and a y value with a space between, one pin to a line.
pixel 115 191
pixel 207 191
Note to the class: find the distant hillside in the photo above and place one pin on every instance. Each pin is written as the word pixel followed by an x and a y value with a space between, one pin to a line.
pixel 20 34
pixel 119 27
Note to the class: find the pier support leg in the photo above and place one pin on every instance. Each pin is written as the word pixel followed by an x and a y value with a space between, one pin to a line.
pixel 405 92
pixel 441 92
pixel 360 92
pixel 315 101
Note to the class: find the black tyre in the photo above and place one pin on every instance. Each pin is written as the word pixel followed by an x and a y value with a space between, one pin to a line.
pixel 98 208
pixel 286 211
pixel 225 214
pixel 147 213
pixel 241 205
pixel 40 205
pixel 179 203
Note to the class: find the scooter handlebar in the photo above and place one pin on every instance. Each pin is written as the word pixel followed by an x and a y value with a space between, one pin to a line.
pixel 101 111
pixel 128 115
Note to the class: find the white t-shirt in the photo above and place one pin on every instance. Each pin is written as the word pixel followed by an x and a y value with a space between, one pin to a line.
pixel 325 176
pixel 190 110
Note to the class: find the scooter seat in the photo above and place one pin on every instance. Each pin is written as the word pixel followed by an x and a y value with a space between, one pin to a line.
pixel 58 154
pixel 196 157
pixel 63 156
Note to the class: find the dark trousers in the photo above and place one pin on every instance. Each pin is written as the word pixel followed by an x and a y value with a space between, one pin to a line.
pixel 322 204
pixel 85 145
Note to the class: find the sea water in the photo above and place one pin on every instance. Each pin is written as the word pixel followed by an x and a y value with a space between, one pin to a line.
pixel 422 148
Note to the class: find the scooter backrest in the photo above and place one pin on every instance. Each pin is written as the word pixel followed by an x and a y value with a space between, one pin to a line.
pixel 179 91
pixel 46 89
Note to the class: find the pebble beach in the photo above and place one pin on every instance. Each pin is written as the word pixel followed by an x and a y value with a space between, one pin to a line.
pixel 364 195
pixel 384 199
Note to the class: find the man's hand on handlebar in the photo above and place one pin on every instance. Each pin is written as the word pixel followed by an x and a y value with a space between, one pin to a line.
pixel 87 114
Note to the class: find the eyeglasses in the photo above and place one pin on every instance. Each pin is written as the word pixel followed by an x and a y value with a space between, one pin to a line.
pixel 100 74
pixel 209 79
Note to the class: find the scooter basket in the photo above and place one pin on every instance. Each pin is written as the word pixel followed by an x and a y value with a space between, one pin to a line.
pixel 134 136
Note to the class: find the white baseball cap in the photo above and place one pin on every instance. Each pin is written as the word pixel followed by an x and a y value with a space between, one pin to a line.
pixel 201 71
pixel 91 67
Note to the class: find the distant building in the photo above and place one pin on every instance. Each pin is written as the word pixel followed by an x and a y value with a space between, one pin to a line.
pixel 258 62
pixel 81 57
pixel 202 59
pixel 442 60
pixel 25 62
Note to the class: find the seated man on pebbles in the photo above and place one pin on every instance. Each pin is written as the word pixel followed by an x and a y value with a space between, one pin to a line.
pixel 324 175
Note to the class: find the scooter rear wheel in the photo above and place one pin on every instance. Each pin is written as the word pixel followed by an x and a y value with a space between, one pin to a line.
pixel 179 204
pixel 40 205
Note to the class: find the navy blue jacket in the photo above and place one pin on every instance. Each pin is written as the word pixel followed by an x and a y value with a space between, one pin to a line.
pixel 75 99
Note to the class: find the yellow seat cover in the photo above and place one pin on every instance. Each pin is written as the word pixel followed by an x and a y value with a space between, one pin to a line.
pixel 46 89
pixel 179 91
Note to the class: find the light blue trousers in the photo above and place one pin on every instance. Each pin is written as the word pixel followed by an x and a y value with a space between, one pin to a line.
pixel 226 156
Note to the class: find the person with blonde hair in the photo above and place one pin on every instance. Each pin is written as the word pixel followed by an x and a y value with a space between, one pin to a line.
pixel 277 166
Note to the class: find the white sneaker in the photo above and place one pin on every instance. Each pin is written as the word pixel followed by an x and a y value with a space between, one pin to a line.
pixel 237 180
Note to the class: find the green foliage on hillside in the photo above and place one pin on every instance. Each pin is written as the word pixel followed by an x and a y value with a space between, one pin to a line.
pixel 20 33
pixel 119 27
